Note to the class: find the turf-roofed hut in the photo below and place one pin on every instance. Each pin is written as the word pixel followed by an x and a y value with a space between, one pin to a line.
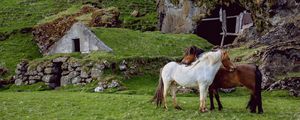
pixel 66 35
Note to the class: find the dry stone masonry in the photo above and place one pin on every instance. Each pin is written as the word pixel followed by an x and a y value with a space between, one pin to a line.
pixel 60 71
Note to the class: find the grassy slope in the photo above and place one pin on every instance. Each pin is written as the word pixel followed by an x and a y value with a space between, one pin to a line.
pixel 75 105
pixel 126 42
pixel 147 22
pixel 17 47
pixel 17 14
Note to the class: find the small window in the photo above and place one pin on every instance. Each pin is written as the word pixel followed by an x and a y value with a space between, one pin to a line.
pixel 76 45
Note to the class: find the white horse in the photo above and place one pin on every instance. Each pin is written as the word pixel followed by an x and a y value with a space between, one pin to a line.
pixel 200 74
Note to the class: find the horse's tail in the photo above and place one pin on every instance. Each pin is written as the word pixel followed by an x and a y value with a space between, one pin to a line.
pixel 258 78
pixel 257 93
pixel 158 96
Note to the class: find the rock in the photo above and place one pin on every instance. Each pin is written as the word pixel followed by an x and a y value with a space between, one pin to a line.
pixel 36 77
pixel 99 89
pixel 65 73
pixel 76 80
pixel 75 64
pixel 3 70
pixel 84 74
pixel 181 17
pixel 73 74
pixel 40 68
pixel 113 84
pixel 18 82
pixel 60 59
pixel 48 70
pixel 228 90
pixel 78 69
pixel 279 59
pixel 64 66
pixel 40 74
pixel 70 68
pixel 31 82
pixel 49 78
pixel 108 17
pixel 65 80
pixel 135 13
pixel 89 80
pixel 32 73
pixel 123 65
pixel 96 73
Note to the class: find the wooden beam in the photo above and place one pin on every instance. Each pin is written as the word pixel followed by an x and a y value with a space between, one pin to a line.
pixel 231 34
pixel 209 19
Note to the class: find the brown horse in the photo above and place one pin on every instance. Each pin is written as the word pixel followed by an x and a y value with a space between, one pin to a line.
pixel 244 75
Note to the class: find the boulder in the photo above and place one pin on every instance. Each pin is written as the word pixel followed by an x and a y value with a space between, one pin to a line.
pixel 135 13
pixel 65 80
pixel 76 80
pixel 60 59
pixel 48 70
pixel 36 77
pixel 108 17
pixel 49 78
pixel 96 73
pixel 18 82
pixel 99 89
pixel 84 74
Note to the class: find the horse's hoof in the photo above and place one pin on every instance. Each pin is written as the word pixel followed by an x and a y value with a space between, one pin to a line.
pixel 203 110
pixel 178 107
pixel 260 112
pixel 220 108
pixel 212 108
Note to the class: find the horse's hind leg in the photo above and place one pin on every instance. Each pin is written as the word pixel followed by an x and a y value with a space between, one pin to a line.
pixel 173 93
pixel 166 87
pixel 211 98
pixel 252 104
pixel 220 106
pixel 259 103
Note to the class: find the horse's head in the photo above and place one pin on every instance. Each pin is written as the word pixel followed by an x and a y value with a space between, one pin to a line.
pixel 226 61
pixel 191 54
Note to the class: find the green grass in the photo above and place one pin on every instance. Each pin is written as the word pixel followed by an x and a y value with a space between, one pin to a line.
pixel 147 22
pixel 17 14
pixel 16 48
pixel 72 10
pixel 127 42
pixel 80 105
pixel 131 44
pixel 243 52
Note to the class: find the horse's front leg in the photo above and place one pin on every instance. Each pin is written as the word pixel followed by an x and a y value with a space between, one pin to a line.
pixel 218 99
pixel 173 93
pixel 203 93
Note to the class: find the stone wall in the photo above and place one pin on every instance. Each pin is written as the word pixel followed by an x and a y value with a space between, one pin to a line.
pixel 60 71
pixel 64 71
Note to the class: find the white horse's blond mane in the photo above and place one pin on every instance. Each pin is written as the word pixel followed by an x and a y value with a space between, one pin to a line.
pixel 203 56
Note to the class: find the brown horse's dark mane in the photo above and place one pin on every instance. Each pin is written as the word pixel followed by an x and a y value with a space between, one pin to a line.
pixel 193 50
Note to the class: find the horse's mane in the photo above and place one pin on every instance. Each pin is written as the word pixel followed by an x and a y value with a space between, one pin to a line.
pixel 201 57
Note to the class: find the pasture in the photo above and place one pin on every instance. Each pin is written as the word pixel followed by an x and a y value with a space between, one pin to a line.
pixel 133 103
pixel 82 105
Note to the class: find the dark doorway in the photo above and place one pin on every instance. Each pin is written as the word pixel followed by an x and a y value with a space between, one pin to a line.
pixel 210 30
pixel 76 45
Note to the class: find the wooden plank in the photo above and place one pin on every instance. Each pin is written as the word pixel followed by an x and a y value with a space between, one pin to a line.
pixel 230 34
pixel 209 19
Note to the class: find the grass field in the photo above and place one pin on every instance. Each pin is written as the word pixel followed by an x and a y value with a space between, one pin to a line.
pixel 81 105
pixel 133 103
